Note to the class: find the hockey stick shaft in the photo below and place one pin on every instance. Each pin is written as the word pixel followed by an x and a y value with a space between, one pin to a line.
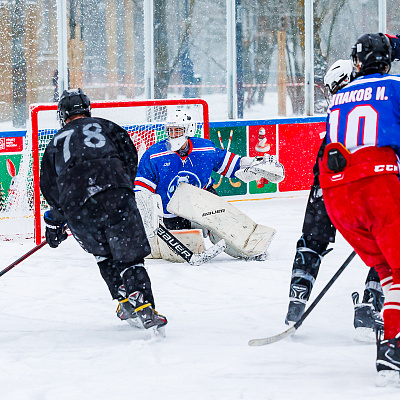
pixel 22 258
pixel 175 245
pixel 234 184
pixel 325 289
pixel 220 140
pixel 217 185
pixel 292 330
pixel 230 140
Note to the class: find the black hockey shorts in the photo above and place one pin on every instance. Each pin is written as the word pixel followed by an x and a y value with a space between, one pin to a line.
pixel 317 223
pixel 316 220
pixel 109 225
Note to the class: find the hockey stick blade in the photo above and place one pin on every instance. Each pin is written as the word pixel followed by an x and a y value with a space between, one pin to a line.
pixel 209 254
pixel 292 330
pixel 179 248
pixel 272 339
pixel 217 185
pixel 235 184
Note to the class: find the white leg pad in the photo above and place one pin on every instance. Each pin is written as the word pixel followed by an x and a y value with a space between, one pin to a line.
pixel 151 211
pixel 240 232
pixel 155 247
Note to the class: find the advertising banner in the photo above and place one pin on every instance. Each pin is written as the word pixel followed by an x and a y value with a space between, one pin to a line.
pixel 262 140
pixel 232 139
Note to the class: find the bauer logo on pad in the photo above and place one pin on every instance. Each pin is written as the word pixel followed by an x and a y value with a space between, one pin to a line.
pixel 213 212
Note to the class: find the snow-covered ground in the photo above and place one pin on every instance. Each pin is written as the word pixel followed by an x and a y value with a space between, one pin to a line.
pixel 60 338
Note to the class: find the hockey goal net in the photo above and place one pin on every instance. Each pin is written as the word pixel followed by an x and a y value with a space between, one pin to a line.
pixel 144 121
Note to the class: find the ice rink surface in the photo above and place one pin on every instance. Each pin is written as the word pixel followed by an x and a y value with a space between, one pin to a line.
pixel 60 338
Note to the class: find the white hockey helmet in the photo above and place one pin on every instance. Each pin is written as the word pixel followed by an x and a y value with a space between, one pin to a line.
pixel 338 75
pixel 179 127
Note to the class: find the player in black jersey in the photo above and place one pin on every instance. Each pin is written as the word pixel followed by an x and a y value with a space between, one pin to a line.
pixel 87 176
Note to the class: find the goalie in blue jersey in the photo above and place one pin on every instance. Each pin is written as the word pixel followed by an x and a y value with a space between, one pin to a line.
pixel 183 158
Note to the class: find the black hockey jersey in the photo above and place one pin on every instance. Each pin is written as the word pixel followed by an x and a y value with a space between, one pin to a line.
pixel 85 157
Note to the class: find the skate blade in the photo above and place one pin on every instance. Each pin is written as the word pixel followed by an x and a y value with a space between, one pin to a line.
pixel 365 335
pixel 388 378
pixel 135 322
pixel 157 333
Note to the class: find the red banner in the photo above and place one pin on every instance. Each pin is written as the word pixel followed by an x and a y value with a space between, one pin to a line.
pixel 11 144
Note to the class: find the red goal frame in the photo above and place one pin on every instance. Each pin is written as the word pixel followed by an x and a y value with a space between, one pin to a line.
pixel 34 112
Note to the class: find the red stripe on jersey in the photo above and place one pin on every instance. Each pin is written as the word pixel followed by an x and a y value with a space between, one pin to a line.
pixel 142 184
pixel 228 165
pixel 164 153
pixel 204 149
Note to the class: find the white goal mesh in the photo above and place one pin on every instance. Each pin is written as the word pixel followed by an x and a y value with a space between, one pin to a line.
pixel 144 121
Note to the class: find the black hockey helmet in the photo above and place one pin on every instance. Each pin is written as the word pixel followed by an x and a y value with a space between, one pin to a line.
pixel 373 51
pixel 72 102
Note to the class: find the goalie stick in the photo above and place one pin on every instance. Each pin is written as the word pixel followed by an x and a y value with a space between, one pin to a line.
pixel 182 251
pixel 292 330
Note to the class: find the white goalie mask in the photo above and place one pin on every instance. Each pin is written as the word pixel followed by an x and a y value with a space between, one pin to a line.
pixel 179 127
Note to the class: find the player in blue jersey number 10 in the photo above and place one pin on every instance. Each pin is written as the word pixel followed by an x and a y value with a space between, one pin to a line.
pixel 360 182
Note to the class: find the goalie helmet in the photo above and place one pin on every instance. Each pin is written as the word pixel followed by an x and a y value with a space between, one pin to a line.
pixel 73 102
pixel 338 75
pixel 179 127
pixel 373 52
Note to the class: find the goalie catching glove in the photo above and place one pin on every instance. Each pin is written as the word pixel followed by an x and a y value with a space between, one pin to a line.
pixel 253 169
pixel 55 228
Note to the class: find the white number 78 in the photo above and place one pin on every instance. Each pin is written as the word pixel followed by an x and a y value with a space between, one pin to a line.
pixel 67 135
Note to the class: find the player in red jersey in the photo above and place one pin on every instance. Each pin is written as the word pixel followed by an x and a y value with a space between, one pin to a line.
pixel 360 182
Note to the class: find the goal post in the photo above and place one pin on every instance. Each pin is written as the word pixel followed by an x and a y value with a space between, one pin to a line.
pixel 144 120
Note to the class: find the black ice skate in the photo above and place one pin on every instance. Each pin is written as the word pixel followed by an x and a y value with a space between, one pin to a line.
pixel 126 311
pixel 388 363
pixel 305 270
pixel 145 312
pixel 367 321
pixel 295 311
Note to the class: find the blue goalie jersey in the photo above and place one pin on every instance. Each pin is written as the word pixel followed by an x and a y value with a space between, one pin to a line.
pixel 161 171
pixel 366 113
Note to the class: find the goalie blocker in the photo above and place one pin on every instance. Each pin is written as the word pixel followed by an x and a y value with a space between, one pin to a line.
pixel 244 237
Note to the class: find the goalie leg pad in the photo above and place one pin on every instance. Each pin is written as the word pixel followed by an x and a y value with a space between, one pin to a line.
pixel 151 210
pixel 240 232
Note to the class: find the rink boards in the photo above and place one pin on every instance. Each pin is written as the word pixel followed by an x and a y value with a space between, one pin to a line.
pixel 294 140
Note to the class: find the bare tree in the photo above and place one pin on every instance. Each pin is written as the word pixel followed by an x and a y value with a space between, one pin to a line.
pixel 18 8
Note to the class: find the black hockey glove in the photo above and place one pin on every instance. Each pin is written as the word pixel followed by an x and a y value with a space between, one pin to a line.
pixel 55 229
